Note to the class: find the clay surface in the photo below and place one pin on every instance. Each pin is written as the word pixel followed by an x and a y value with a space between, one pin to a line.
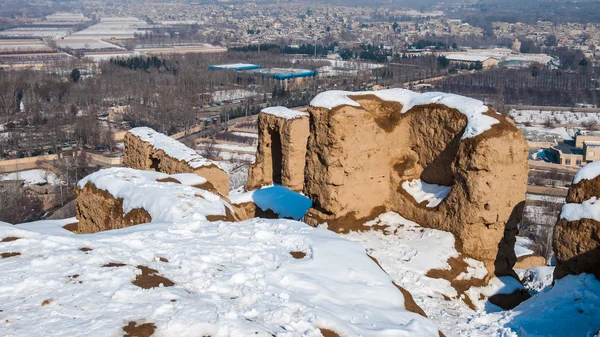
pixel 142 155
pixel 576 244
pixel 97 210
pixel 358 157
pixel 281 152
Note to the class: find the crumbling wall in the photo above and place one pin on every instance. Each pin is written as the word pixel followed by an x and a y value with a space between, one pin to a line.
pixel 358 157
pixel 281 152
pixel 120 197
pixel 143 155
pixel 97 210
pixel 576 243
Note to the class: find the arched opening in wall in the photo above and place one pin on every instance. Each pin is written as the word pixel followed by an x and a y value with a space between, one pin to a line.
pixel 276 156
pixel 155 164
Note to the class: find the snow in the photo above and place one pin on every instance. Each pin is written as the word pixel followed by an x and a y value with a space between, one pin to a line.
pixel 164 201
pixel 546 134
pixel 171 147
pixel 283 112
pixel 588 209
pixel 50 227
pixel 189 179
pixel 496 285
pixel 281 200
pixel 230 279
pixel 232 95
pixel 553 116
pixel 32 177
pixel 589 172
pixel 422 191
pixel 522 246
pixel 476 269
pixel 473 109
pixel 548 198
pixel 235 65
pixel 537 279
pixel 230 147
pixel 570 308
pixel 245 134
pixel 407 251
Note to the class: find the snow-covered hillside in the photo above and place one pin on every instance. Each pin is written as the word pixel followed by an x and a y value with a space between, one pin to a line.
pixel 408 252
pixel 253 278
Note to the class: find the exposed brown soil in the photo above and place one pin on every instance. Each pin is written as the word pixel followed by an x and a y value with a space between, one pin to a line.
pixel 47 301
pixel 409 301
pixel 530 261
pixel 587 262
pixel 113 264
pixel 207 186
pixel 7 255
pixel 347 175
pixel 143 330
pixel 149 278
pixel 72 227
pixel 229 216
pixel 298 255
pixel 74 276
pixel 346 223
pixel 9 239
pixel 97 210
pixel 86 249
pixel 328 333
pixel 280 152
pixel 585 189
pixel 457 266
pixel 162 259
pixel 576 244
pixel 169 180
pixel 143 156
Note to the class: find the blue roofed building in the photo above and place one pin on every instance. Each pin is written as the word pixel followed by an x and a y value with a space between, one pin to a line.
pixel 235 66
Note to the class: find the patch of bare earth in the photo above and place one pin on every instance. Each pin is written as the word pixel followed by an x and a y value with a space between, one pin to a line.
pixel 457 267
pixel 132 329
pixel 298 255
pixel 149 278
pixel 328 333
pixel 9 239
pixel 72 227
pixel 86 249
pixel 47 302
pixel 113 264
pixel 11 254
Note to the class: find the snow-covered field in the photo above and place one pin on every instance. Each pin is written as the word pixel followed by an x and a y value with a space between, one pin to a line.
pixel 76 43
pixel 554 117
pixel 115 27
pixel 246 134
pixel 230 147
pixel 32 177
pixel 267 277
pixel 544 134
pixel 232 95
pixel 198 279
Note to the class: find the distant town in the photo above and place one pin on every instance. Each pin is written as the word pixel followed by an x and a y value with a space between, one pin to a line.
pixel 75 79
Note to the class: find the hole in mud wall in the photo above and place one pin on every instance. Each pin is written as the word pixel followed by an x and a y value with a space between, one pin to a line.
pixel 155 163
pixel 276 156
pixel 435 136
